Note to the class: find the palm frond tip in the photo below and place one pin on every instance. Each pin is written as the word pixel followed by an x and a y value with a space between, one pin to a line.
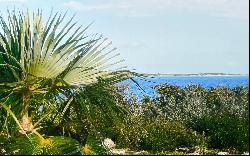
pixel 29 48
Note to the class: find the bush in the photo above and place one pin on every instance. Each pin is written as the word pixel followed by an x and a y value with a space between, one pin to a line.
pixel 93 146
pixel 225 131
pixel 132 132
pixel 221 112
pixel 143 133
pixel 164 135
pixel 193 102
pixel 170 120
pixel 181 104
pixel 221 100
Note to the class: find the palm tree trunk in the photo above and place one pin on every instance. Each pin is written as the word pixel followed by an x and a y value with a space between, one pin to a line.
pixel 26 101
pixel 25 119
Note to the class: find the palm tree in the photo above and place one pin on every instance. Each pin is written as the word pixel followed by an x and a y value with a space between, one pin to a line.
pixel 46 70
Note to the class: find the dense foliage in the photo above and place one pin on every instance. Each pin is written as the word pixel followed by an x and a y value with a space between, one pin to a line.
pixel 186 116
pixel 222 113
pixel 143 133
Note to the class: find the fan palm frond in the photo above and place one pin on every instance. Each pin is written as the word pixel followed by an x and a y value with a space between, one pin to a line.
pixel 39 146
pixel 46 72
pixel 30 48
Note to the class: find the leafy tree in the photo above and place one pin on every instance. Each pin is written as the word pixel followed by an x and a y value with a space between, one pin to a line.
pixel 54 77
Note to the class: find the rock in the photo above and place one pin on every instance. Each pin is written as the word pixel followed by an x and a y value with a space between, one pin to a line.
pixel 245 153
pixel 3 151
pixel 108 143
pixel 195 153
pixel 118 151
pixel 223 153
pixel 182 149
pixel 141 153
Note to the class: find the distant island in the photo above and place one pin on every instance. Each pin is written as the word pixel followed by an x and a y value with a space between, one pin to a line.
pixel 197 74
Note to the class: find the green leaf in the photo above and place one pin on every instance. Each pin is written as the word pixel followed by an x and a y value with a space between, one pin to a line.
pixel 56 145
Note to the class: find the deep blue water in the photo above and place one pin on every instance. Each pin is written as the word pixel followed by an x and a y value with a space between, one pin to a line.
pixel 148 83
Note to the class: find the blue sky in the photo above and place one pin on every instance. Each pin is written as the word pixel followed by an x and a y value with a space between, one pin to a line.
pixel 164 36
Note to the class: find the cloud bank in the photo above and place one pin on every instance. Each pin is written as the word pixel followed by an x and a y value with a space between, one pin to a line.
pixel 224 8
pixel 13 1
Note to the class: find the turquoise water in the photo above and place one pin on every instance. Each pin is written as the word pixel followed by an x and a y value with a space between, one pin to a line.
pixel 147 83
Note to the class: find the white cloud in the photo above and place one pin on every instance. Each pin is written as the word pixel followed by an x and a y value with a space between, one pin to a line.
pixel 232 63
pixel 95 7
pixel 13 1
pixel 224 8
pixel 79 6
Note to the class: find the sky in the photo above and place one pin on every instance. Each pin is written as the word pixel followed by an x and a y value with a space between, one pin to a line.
pixel 163 36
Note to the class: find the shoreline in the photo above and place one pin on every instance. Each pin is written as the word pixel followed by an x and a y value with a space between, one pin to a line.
pixel 199 74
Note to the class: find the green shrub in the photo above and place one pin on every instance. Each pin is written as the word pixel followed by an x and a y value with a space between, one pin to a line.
pixel 221 112
pixel 225 131
pixel 169 121
pixel 144 133
pixel 221 99
pixel 93 146
pixel 170 100
pixel 242 101
pixel 181 104
pixel 132 132
pixel 188 104
pixel 164 135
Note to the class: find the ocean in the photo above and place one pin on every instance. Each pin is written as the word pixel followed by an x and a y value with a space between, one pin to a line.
pixel 147 83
